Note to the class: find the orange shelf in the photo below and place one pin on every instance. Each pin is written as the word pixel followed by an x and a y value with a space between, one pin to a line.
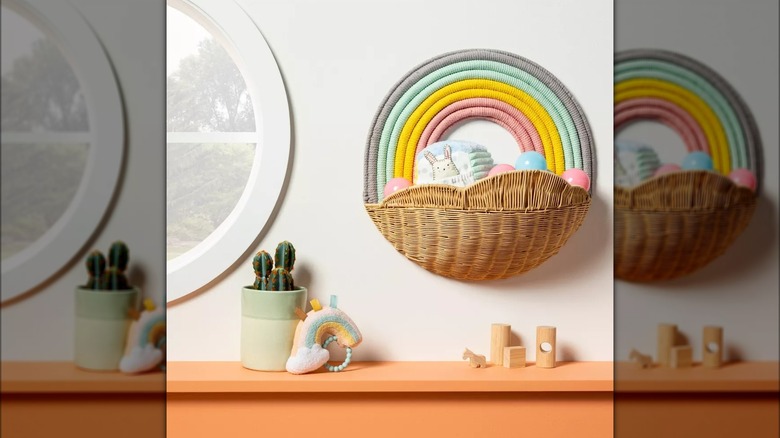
pixel 734 377
pixel 65 377
pixel 231 377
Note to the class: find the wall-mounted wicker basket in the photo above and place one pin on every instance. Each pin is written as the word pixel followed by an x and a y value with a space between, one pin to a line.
pixel 672 225
pixel 503 225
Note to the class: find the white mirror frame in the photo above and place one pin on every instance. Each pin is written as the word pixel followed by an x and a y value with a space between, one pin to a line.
pixel 223 247
pixel 64 240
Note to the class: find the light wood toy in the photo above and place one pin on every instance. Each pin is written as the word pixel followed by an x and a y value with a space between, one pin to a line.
pixel 682 356
pixel 514 357
pixel 643 360
pixel 545 347
pixel 712 346
pixel 499 339
pixel 475 360
pixel 667 333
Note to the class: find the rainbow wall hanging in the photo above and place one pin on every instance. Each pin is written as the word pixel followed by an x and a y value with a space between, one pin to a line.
pixel 679 219
pixel 443 228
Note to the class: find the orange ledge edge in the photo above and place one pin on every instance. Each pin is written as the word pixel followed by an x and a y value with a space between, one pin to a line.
pixel 231 377
pixel 65 377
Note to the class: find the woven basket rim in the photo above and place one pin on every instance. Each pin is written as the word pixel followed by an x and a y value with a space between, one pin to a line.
pixel 675 180
pixel 501 182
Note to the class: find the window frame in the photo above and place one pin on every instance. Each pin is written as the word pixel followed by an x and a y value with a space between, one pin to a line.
pixel 61 244
pixel 231 240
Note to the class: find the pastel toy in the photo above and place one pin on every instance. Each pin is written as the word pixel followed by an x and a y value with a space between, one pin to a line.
pixel 395 185
pixel 312 336
pixel 145 348
pixel 501 168
pixel 577 177
pixel 634 163
pixel 531 160
pixel 456 163
pixel 697 161
pixel 666 169
pixel 744 178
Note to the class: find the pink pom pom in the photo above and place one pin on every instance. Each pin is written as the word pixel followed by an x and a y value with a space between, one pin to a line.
pixel 577 177
pixel 395 185
pixel 744 178
pixel 500 168
pixel 667 168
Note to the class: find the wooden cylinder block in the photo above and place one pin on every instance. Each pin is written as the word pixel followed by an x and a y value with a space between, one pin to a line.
pixel 666 337
pixel 545 347
pixel 712 346
pixel 499 338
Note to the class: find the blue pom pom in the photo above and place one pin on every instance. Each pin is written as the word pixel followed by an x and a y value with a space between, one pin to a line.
pixel 531 160
pixel 697 161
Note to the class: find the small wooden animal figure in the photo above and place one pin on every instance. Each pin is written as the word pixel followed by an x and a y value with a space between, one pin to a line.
pixel 475 360
pixel 643 360
pixel 442 168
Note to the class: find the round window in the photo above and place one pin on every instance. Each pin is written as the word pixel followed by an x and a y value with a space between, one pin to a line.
pixel 228 139
pixel 62 139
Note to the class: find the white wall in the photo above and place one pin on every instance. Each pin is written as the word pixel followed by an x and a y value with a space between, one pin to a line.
pixel 40 327
pixel 740 289
pixel 339 58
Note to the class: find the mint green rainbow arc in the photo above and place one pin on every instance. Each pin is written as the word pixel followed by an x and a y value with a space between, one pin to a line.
pixel 424 81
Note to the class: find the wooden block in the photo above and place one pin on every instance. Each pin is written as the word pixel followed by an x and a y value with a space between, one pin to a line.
pixel 667 333
pixel 514 357
pixel 712 346
pixel 545 347
pixel 681 356
pixel 499 338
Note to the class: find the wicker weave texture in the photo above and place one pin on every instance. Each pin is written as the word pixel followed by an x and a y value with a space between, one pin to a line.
pixel 673 225
pixel 497 228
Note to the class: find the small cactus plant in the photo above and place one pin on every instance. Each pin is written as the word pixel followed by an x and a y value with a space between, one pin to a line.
pixel 96 264
pixel 280 279
pixel 285 256
pixel 118 255
pixel 262 264
pixel 275 274
pixel 113 277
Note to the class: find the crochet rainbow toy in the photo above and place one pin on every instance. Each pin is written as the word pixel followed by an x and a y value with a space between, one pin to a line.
pixel 322 326
pixel 691 99
pixel 512 91
pixel 146 339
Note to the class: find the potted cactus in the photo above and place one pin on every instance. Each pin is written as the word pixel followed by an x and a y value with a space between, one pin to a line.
pixel 268 316
pixel 104 309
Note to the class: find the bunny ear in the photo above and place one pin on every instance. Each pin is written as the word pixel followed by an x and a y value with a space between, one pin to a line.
pixel 429 156
pixel 447 151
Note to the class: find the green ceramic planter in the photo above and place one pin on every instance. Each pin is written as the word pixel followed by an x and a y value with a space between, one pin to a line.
pixel 268 322
pixel 102 321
